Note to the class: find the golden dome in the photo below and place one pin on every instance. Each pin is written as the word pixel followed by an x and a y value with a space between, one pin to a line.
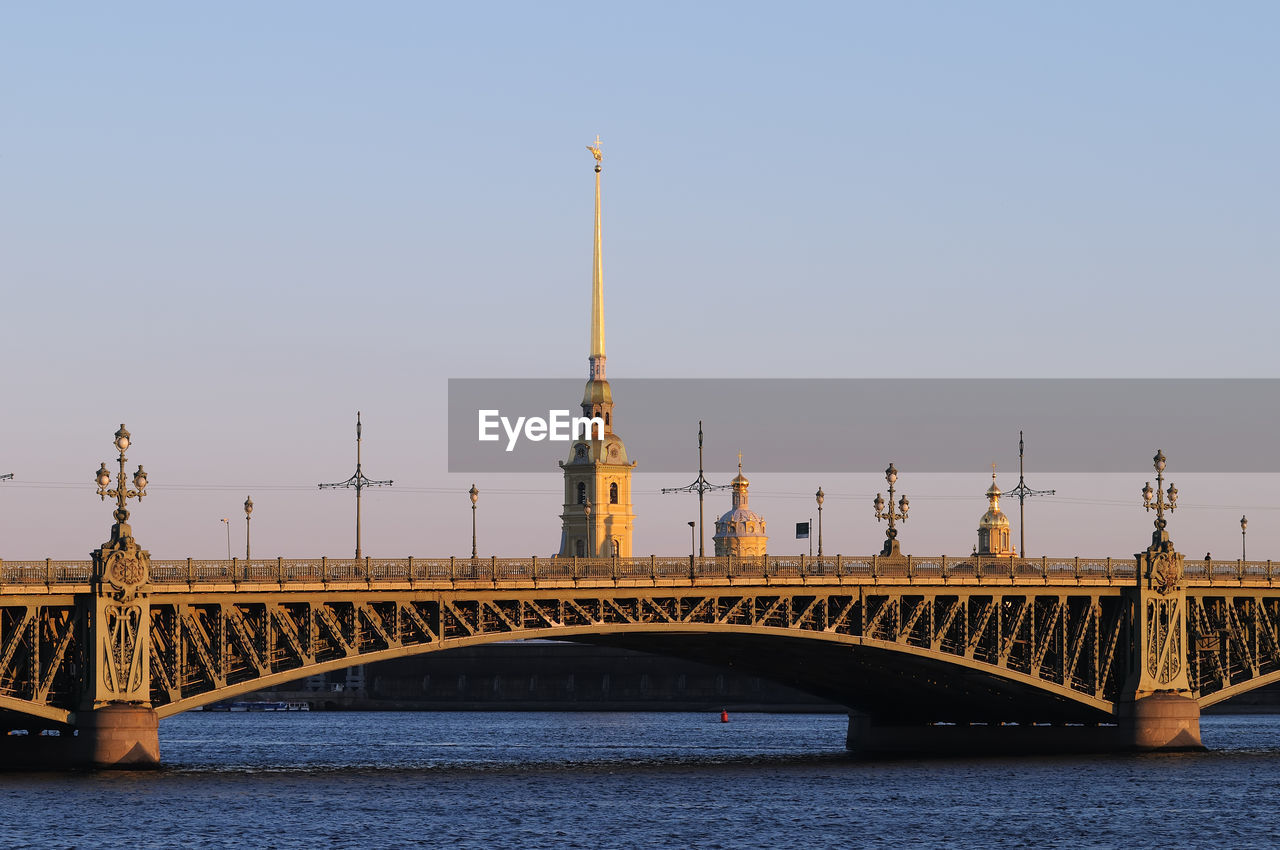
pixel 994 519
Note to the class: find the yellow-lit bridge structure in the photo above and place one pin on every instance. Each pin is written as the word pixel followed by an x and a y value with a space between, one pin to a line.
pixel 1123 651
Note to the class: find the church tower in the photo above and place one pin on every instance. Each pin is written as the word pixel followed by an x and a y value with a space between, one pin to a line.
pixel 741 531
pixel 993 528
pixel 597 518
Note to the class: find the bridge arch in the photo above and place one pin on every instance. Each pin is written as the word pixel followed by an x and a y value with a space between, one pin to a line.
pixel 864 674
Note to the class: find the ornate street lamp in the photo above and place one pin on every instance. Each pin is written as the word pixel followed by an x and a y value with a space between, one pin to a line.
pixel 120 560
pixel 819 496
pixel 586 510
pixel 248 509
pixel 1160 538
pixel 226 522
pixel 891 543
pixel 475 495
pixel 1244 523
pixel 121 493
pixel 693 543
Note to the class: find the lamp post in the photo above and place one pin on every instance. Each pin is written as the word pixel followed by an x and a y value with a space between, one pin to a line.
pixel 701 487
pixel 891 534
pixel 227 522
pixel 586 510
pixel 120 493
pixel 1244 523
pixel 358 481
pixel 819 496
pixel 1160 537
pixel 475 495
pixel 248 509
pixel 693 541
pixel 1022 491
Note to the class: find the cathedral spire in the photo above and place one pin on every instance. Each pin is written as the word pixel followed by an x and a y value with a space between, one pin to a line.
pixel 597 516
pixel 597 283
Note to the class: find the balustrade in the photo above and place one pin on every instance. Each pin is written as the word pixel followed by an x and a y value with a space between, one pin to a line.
pixel 18 576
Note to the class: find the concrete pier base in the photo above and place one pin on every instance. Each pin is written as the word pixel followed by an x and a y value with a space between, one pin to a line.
pixel 118 736
pixel 1163 723
pixel 115 737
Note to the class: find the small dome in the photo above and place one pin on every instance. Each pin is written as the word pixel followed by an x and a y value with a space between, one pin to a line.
pixel 741 516
pixel 994 519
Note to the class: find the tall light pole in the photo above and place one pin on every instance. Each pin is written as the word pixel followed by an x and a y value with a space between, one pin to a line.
pixel 819 496
pixel 693 543
pixel 248 509
pixel 227 522
pixel 699 486
pixel 1022 491
pixel 475 495
pixel 586 510
pixel 891 534
pixel 1160 537
pixel 359 482
pixel 1244 523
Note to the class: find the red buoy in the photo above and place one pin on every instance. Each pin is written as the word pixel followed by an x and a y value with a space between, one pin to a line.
pixel 724 715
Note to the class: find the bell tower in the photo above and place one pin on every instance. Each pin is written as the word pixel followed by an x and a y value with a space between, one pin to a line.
pixel 597 517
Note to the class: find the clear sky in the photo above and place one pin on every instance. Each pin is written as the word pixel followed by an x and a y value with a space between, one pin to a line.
pixel 230 226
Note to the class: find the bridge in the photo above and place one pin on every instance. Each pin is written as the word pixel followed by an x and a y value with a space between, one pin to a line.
pixel 937 654
pixel 1111 652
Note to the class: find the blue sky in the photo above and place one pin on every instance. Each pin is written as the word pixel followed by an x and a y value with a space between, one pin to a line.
pixel 231 226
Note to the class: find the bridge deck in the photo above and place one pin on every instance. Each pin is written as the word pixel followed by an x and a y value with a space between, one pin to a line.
pixel 26 577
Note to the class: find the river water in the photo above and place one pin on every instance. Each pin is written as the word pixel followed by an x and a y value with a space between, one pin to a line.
pixel 569 780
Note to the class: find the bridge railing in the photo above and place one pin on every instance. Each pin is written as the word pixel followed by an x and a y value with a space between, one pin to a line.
pixel 1208 571
pixel 46 572
pixel 70 576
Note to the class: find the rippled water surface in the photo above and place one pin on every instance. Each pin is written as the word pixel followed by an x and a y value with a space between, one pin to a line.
pixel 633 780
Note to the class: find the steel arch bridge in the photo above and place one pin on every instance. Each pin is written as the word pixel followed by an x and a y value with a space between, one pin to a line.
pixel 925 640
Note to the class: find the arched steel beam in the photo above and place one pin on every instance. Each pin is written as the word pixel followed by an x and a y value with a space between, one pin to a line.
pixel 948 661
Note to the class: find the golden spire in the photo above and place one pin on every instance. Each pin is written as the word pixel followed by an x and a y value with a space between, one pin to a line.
pixel 597 283
pixel 740 485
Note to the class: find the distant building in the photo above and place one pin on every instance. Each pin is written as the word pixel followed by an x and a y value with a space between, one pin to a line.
pixel 993 528
pixel 597 473
pixel 741 531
